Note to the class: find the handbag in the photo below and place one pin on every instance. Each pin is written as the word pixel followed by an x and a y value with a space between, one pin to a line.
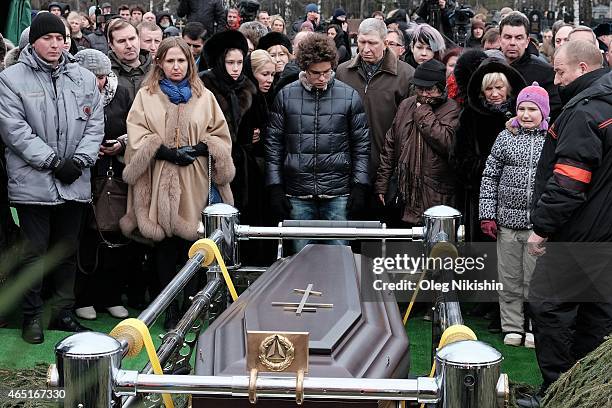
pixel 393 197
pixel 108 205
pixel 109 201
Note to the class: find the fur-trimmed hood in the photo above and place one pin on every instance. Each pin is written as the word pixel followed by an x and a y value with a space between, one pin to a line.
pixel 467 63
pixel 488 66
pixel 11 57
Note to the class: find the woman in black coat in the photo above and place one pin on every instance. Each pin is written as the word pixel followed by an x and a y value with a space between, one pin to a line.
pixel 105 256
pixel 479 124
pixel 336 34
pixel 225 53
pixel 259 67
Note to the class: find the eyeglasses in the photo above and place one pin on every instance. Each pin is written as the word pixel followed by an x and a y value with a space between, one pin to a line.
pixel 394 44
pixel 426 89
pixel 315 74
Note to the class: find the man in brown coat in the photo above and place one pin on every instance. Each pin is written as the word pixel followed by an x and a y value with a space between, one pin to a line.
pixel 382 81
pixel 418 143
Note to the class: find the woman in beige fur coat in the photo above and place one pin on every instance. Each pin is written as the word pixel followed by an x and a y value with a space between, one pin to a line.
pixel 174 126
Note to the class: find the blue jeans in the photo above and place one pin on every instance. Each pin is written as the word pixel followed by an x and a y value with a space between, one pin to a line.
pixel 215 196
pixel 318 209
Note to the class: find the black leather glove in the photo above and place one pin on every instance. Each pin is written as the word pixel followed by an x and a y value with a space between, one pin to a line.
pixel 356 204
pixel 67 171
pixel 279 203
pixel 183 156
pixel 201 149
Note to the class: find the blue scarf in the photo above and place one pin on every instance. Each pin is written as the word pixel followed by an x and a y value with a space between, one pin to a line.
pixel 177 92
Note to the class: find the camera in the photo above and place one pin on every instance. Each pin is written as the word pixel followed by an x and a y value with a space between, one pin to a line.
pixel 248 10
pixel 463 14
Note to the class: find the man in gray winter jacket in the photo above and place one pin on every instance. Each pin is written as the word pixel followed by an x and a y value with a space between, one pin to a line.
pixel 52 123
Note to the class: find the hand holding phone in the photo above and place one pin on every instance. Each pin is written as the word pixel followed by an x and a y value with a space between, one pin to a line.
pixel 109 143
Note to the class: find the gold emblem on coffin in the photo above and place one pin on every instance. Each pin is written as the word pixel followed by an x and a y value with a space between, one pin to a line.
pixel 269 351
pixel 276 352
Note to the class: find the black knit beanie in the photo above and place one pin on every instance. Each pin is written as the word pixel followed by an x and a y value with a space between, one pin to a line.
pixel 46 23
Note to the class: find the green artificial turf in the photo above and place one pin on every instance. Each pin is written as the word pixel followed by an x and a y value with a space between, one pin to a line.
pixel 519 362
pixel 17 354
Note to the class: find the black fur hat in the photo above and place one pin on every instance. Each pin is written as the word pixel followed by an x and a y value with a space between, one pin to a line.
pixel 273 38
pixel 216 46
pixel 467 63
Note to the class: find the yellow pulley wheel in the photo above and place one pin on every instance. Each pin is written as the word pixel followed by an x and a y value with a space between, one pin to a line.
pixel 211 252
pixel 204 246
pixel 456 332
pixel 137 334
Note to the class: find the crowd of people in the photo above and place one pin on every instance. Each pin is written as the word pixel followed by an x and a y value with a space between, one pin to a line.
pixel 118 129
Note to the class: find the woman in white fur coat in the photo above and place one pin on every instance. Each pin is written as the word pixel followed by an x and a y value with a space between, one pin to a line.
pixel 174 126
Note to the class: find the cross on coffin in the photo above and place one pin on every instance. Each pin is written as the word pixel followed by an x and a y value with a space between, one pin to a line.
pixel 303 305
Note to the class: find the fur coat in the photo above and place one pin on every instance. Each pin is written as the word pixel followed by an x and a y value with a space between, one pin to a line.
pixel 245 99
pixel 164 199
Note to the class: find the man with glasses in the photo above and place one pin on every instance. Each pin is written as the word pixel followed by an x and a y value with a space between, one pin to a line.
pixel 317 149
pixel 395 42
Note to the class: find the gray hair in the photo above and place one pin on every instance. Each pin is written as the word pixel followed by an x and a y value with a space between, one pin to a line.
pixel 400 36
pixel 299 37
pixel 585 29
pixel 253 30
pixel 373 25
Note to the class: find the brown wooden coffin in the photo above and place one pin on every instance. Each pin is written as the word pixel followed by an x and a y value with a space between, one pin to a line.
pixel 356 338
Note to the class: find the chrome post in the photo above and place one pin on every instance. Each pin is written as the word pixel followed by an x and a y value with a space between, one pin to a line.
pixel 468 374
pixel 87 363
pixel 224 218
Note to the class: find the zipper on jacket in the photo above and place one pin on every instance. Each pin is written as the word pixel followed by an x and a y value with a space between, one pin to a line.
pixel 365 91
pixel 532 137
pixel 316 133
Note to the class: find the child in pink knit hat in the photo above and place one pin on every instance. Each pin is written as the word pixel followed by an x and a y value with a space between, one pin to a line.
pixel 532 99
pixel 506 193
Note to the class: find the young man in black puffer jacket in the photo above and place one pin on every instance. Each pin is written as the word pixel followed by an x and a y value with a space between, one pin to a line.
pixel 318 147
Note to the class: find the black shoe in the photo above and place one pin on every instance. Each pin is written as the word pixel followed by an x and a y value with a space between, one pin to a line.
pixel 66 321
pixel 530 401
pixel 495 326
pixel 32 331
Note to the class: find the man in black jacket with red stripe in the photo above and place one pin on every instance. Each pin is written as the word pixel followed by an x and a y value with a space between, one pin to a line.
pixel 570 297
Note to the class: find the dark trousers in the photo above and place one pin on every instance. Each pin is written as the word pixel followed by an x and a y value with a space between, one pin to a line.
pixel 169 256
pixel 566 332
pixel 53 230
pixel 103 270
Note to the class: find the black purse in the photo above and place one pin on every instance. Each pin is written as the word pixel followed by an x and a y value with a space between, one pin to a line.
pixel 393 196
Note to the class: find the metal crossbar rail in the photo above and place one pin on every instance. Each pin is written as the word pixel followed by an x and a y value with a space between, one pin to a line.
pixel 423 389
pixel 161 302
pixel 252 232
